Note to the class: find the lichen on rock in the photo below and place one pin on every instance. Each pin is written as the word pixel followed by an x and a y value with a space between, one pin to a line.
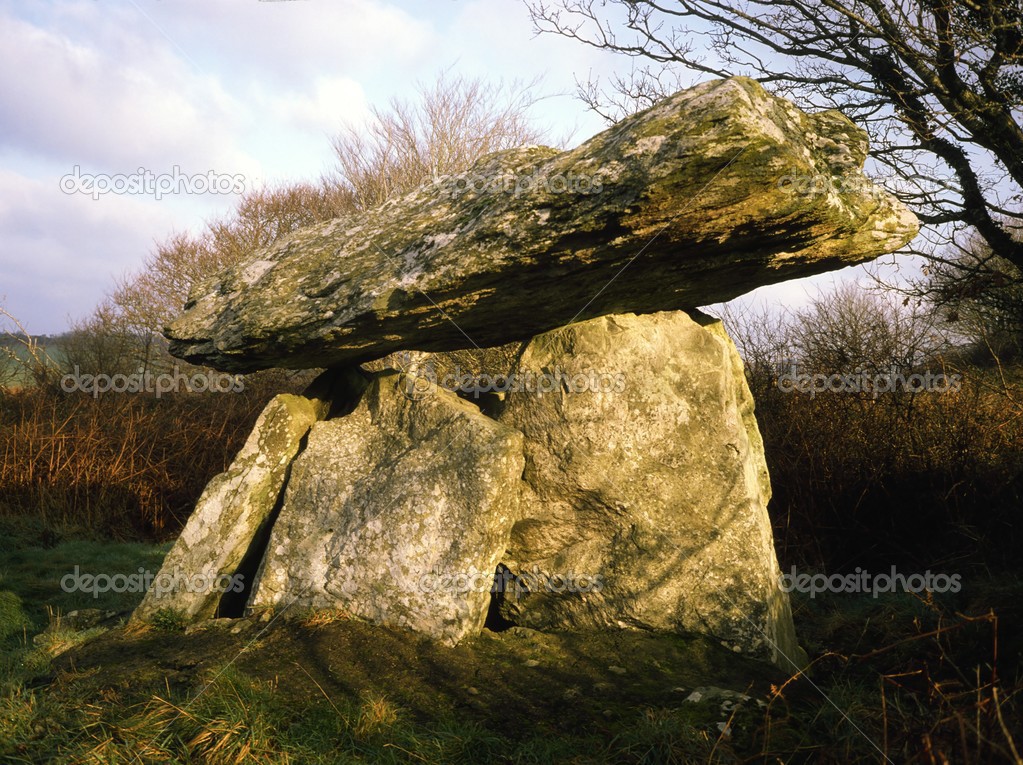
pixel 701 197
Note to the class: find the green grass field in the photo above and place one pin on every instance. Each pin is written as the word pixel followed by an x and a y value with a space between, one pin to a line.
pixel 15 361
pixel 891 677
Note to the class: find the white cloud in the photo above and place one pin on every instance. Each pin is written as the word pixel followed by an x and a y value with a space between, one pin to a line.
pixel 60 253
pixel 324 107
pixel 284 43
pixel 112 110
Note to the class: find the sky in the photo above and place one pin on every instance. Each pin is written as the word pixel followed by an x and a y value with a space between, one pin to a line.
pixel 228 94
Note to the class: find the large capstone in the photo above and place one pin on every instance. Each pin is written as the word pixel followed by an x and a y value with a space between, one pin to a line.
pixel 704 196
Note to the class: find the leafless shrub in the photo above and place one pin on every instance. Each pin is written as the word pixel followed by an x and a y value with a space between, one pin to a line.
pixel 22 358
pixel 904 473
pixel 453 123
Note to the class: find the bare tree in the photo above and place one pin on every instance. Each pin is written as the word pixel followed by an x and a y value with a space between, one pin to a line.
pixel 146 300
pixel 449 126
pixel 22 358
pixel 106 343
pixel 937 83
pixel 850 329
pixel 763 339
pixel 845 330
pixel 982 296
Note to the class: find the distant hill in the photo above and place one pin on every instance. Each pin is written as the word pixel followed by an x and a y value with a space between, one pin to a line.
pixel 15 374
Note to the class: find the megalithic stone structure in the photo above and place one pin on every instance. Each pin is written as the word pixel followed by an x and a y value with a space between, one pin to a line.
pixel 618 480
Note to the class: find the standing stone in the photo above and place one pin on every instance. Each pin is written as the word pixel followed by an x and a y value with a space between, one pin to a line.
pixel 232 509
pixel 398 513
pixel 650 484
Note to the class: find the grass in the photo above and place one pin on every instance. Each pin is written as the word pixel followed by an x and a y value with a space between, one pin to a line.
pixel 35 560
pixel 323 688
pixel 243 719
pixel 914 679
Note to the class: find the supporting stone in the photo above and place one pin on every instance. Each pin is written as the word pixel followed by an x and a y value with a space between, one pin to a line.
pixel 204 561
pixel 650 484
pixel 398 512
